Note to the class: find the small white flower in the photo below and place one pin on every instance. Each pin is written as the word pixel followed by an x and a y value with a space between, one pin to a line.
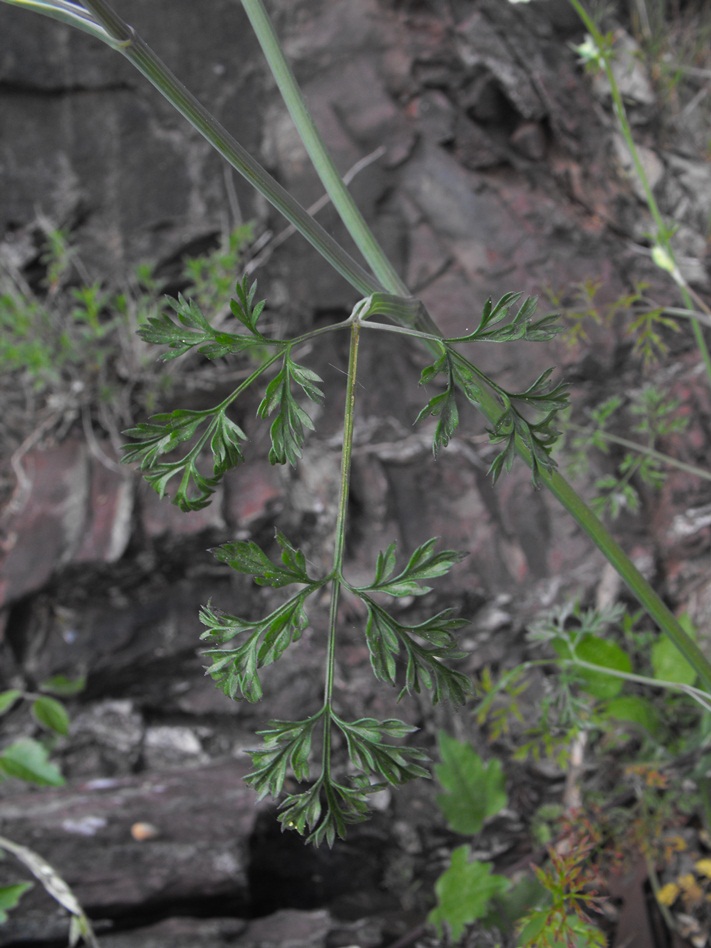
pixel 588 51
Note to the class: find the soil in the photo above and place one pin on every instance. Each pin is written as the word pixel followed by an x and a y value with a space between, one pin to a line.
pixel 501 171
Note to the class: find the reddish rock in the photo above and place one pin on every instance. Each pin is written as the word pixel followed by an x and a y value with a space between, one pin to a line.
pixel 110 514
pixel 160 517
pixel 49 523
pixel 252 494
pixel 529 140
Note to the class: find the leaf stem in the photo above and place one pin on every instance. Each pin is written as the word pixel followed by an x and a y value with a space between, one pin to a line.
pixel 402 330
pixel 145 60
pixel 627 571
pixel 696 694
pixel 339 545
pixel 70 13
pixel 323 163
pixel 644 449
pixel 252 377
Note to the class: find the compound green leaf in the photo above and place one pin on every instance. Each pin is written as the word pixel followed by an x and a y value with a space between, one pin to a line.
pixel 442 406
pixel 520 326
pixel 291 422
pixel 244 309
pixel 225 444
pixel 187 328
pixel 244 556
pixel 424 564
pixel 287 745
pixel 371 754
pixel 425 667
pixel 235 671
pixel 324 811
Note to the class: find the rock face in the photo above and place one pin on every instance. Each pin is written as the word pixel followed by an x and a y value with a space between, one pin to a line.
pixel 490 170
pixel 101 149
pixel 129 841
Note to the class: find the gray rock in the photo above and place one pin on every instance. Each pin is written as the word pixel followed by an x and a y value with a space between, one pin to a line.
pixel 181 933
pixel 127 844
pixel 289 928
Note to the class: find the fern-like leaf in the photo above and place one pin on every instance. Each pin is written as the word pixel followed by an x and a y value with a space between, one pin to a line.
pixel 288 430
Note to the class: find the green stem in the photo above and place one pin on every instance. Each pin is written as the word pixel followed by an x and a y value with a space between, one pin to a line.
pixel 613 552
pixel 426 337
pixel 340 196
pixel 697 331
pixel 687 314
pixel 69 13
pixel 244 385
pixel 663 235
pixel 623 121
pixel 339 546
pixel 629 573
pixel 145 60
pixel 649 452
pixel 140 55
pixel 701 697
pixel 323 163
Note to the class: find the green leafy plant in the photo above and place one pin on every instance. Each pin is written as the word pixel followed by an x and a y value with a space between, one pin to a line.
pixel 411 657
pixel 28 760
pixel 646 323
pixel 55 336
pixel 614 692
pixel 547 907
pixel 624 697
pixel 424 647
pixel 74 345
pixel 564 918
pixel 654 416
pixel 473 792
pixel 542 398
pixel 609 671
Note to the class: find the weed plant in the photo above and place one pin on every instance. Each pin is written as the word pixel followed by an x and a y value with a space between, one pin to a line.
pixel 28 760
pixel 184 454
pixel 71 344
pixel 612 696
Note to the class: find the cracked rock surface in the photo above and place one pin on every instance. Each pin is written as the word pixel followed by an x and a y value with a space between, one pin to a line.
pixel 493 166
